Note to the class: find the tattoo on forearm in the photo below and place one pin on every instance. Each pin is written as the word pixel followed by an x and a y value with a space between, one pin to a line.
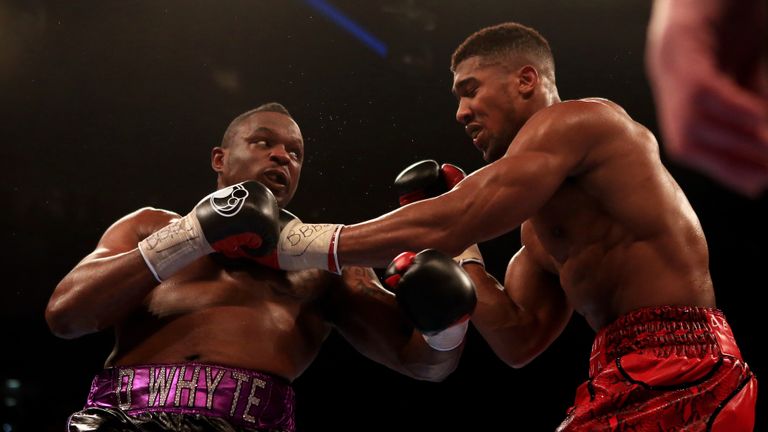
pixel 365 281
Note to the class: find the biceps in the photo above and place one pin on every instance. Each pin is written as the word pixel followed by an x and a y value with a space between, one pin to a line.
pixel 125 234
pixel 112 244
pixel 500 197
pixel 538 293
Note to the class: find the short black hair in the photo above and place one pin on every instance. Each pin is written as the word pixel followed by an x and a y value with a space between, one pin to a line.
pixel 502 42
pixel 269 107
pixel 275 107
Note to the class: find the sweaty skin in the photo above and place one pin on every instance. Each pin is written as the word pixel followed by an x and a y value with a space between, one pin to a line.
pixel 605 228
pixel 237 314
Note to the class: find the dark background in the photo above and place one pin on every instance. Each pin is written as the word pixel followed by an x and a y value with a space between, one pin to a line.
pixel 110 106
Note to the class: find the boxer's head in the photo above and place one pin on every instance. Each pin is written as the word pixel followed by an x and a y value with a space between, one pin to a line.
pixel 502 75
pixel 263 144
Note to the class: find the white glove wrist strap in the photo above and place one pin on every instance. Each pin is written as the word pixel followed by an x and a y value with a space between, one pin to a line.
pixel 470 255
pixel 174 246
pixel 303 246
pixel 449 338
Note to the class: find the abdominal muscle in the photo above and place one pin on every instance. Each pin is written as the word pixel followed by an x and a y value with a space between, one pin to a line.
pixel 607 275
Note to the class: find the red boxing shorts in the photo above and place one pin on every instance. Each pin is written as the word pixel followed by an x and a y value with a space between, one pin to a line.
pixel 669 368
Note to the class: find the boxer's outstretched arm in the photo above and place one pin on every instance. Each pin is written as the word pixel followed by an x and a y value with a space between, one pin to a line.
pixel 496 199
pixel 519 321
pixel 368 316
pixel 108 283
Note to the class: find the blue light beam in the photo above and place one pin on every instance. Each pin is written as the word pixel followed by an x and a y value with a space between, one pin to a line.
pixel 349 25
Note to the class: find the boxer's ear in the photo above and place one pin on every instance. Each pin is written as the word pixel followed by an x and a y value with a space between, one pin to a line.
pixel 217 159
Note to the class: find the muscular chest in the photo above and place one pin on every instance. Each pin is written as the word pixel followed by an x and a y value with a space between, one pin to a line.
pixel 211 283
pixel 570 221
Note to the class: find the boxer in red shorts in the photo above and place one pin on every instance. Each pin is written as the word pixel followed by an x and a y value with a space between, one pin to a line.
pixel 606 232
pixel 665 368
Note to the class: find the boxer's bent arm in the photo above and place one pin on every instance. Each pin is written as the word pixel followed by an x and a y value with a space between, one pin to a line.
pixel 520 321
pixel 108 283
pixel 368 316
pixel 712 110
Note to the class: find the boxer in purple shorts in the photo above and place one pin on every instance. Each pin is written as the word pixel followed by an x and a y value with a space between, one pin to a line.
pixel 201 396
pixel 206 337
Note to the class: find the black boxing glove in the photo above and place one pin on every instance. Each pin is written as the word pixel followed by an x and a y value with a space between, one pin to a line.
pixel 426 179
pixel 239 221
pixel 435 294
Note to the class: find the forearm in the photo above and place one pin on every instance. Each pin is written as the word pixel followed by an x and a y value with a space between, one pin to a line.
pixel 513 333
pixel 381 333
pixel 492 201
pixel 449 223
pixel 374 321
pixel 680 34
pixel 414 227
pixel 97 293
